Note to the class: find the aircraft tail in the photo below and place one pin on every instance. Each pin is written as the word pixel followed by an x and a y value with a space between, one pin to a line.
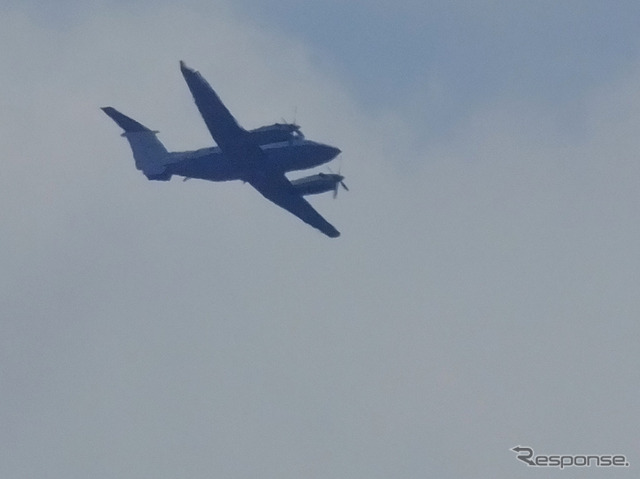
pixel 149 153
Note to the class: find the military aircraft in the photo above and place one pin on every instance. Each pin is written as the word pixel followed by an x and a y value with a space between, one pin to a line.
pixel 260 157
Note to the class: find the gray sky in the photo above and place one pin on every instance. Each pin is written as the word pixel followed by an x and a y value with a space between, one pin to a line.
pixel 483 293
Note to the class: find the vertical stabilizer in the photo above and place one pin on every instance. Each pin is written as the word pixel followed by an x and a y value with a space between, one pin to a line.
pixel 149 153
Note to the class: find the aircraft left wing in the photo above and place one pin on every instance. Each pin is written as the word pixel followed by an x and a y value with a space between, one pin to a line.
pixel 277 188
pixel 232 139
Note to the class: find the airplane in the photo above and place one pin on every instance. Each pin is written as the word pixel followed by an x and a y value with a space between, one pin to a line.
pixel 260 157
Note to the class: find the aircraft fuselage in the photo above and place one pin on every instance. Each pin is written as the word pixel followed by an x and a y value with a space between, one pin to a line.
pixel 212 164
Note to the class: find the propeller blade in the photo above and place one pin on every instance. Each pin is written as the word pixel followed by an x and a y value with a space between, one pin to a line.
pixel 339 182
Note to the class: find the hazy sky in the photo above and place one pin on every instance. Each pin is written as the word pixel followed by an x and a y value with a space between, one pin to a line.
pixel 483 294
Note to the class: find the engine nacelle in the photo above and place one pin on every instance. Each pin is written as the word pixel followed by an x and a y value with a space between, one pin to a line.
pixel 318 183
pixel 276 133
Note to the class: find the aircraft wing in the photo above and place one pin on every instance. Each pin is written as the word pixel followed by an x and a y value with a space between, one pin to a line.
pixel 232 139
pixel 277 188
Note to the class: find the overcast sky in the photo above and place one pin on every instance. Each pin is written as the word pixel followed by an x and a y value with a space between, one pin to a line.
pixel 483 294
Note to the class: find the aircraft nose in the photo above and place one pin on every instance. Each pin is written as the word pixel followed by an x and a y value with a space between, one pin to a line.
pixel 333 151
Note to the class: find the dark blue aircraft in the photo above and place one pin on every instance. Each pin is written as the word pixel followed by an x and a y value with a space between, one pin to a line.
pixel 260 157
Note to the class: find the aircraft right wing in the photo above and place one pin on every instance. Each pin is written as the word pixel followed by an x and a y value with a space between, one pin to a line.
pixel 277 188
pixel 232 139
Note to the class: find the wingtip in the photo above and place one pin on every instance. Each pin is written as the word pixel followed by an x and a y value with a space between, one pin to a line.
pixel 109 111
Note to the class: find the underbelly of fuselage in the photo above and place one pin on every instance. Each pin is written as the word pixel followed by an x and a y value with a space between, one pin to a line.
pixel 211 164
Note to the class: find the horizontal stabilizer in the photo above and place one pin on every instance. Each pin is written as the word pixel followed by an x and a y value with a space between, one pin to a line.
pixel 129 125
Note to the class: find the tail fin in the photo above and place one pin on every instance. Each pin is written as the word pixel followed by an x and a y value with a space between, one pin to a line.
pixel 149 153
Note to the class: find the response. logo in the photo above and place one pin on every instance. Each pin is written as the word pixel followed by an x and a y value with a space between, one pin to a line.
pixel 526 455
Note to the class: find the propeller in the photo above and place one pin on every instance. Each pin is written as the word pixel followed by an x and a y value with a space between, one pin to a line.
pixel 340 182
pixel 294 126
pixel 335 190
